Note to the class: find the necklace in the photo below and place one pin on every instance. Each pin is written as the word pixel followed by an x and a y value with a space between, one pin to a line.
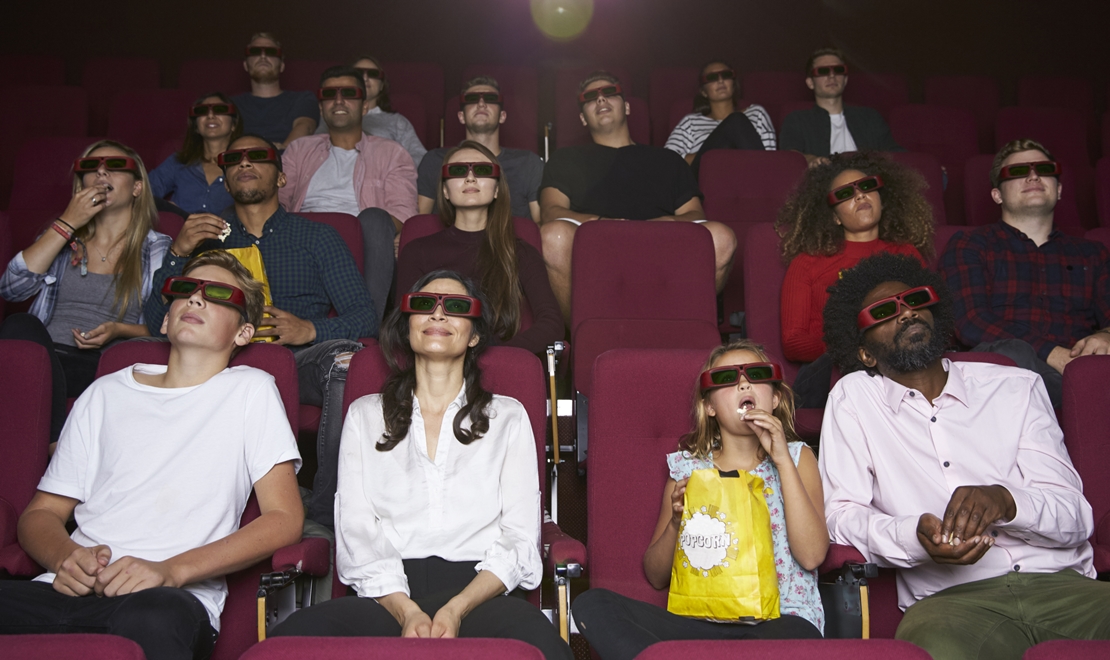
pixel 104 257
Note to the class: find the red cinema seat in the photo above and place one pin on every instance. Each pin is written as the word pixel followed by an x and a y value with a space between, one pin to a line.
pixel 411 107
pixel 20 70
pixel 1102 235
pixel 773 89
pixel 6 252
pixel 349 230
pixel 25 401
pixel 57 111
pixel 147 119
pixel 202 76
pixel 568 127
pixel 303 75
pixel 426 80
pixel 980 209
pixel 1062 92
pixel 104 77
pixel 669 86
pixel 979 94
pixel 1086 424
pixel 742 188
pixel 520 89
pixel 763 278
pixel 427 224
pixel 881 91
pixel 1062 130
pixel 169 223
pixel 1069 649
pixel 72 645
pixel 787 649
pixel 946 133
pixel 1102 191
pixel 928 167
pixel 390 648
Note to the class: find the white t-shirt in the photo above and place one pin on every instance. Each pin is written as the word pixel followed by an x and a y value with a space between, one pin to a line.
pixel 161 471
pixel 477 502
pixel 840 140
pixel 332 188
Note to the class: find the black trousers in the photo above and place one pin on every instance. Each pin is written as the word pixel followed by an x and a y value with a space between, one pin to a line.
pixel 619 628
pixel 72 369
pixel 165 622
pixel 432 582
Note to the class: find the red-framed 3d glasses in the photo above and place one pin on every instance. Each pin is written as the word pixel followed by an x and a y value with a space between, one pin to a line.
pixel 848 191
pixel 1021 170
pixel 593 94
pixel 453 304
pixel 333 93
pixel 918 297
pixel 478 170
pixel 755 372
pixel 204 109
pixel 828 70
pixel 111 163
pixel 253 155
pixel 217 292
pixel 259 51
pixel 473 98
pixel 723 74
pixel 371 73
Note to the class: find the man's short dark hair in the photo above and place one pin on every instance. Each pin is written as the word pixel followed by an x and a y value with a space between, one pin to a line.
pixel 821 52
pixel 843 338
pixel 480 80
pixel 344 71
pixel 268 143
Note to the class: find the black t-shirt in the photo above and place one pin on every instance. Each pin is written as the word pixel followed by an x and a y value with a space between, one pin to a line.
pixel 636 182
pixel 523 171
pixel 273 117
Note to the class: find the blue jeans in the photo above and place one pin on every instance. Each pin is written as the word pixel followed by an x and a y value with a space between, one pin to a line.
pixel 378 261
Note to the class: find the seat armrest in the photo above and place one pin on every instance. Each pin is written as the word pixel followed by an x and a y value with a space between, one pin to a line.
pixel 838 556
pixel 561 549
pixel 310 556
pixel 17 563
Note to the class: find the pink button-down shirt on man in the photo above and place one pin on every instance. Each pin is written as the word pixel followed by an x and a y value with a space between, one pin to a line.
pixel 888 455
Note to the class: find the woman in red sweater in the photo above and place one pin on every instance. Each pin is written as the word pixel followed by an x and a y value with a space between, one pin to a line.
pixel 479 242
pixel 850 208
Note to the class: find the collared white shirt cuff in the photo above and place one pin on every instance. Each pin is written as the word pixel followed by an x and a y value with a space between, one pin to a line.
pixel 1024 512
pixel 381 585
pixel 911 545
pixel 505 571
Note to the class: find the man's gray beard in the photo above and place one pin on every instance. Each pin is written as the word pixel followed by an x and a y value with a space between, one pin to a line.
pixel 249 196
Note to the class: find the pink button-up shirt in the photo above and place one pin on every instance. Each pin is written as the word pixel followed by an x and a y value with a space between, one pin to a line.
pixel 384 177
pixel 888 455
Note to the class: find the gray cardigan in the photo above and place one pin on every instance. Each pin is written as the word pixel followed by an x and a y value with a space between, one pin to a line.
pixel 810 131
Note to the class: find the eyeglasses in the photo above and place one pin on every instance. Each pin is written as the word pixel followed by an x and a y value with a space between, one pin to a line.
pixel 371 73
pixel 592 94
pixel 333 93
pixel 111 163
pixel 477 170
pixel 452 304
pixel 755 372
pixel 724 74
pixel 217 292
pixel 202 109
pixel 472 98
pixel 829 70
pixel 253 155
pixel 848 191
pixel 888 308
pixel 1021 170
pixel 259 51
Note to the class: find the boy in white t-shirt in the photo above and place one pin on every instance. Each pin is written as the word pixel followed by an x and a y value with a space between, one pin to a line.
pixel 156 464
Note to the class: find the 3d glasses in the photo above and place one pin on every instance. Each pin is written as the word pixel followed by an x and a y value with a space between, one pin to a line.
pixel 755 372
pixel 203 109
pixel 848 191
pixel 473 98
pixel 478 170
pixel 828 70
pixel 110 163
pixel 253 155
pixel 259 51
pixel 453 304
pixel 1021 170
pixel 333 93
pixel 883 310
pixel 593 94
pixel 371 73
pixel 217 292
pixel 724 74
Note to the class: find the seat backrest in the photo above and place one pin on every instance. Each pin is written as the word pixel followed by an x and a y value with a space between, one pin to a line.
pixel 67 113
pixel 169 223
pixel 426 80
pixel 17 70
pixel 146 119
pixel 764 272
pixel 25 398
pixel 411 107
pixel 568 127
pixel 304 75
pixel 1101 234
pixel 349 230
pixel 928 167
pixel 949 134
pixel 1086 419
pixel 980 209
pixel 1068 649
pixel 769 88
pixel 104 77
pixel 520 89
pixel 427 224
pixel 354 648
pixel 979 94
pixel 6 253
pixel 1073 93
pixel 202 76
pixel 979 356
pixel 1102 190
pixel 639 407
pixel 670 86
pixel 1063 131
pixel 881 91
pixel 93 646
pixel 787 649
pixel 639 122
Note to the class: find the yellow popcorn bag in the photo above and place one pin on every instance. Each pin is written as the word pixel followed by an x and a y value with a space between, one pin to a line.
pixel 724 561
pixel 251 259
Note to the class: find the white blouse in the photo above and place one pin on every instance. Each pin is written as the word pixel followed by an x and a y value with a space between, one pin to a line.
pixel 477 502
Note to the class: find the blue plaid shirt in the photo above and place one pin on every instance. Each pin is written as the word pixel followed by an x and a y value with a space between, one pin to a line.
pixel 310 271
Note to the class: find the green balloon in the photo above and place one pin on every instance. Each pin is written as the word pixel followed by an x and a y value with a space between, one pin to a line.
pixel 562 20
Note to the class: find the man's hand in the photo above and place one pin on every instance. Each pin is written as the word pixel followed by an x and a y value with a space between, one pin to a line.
pixel 446 622
pixel 814 161
pixel 1096 344
pixel 198 227
pixel 130 574
pixel 1059 358
pixel 972 509
pixel 76 575
pixel 287 327
pixel 965 552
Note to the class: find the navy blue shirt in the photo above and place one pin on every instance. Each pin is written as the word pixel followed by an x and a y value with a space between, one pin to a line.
pixel 273 117
pixel 189 187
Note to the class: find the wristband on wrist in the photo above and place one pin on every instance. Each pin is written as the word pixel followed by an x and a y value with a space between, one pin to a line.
pixel 179 256
pixel 67 225
pixel 65 234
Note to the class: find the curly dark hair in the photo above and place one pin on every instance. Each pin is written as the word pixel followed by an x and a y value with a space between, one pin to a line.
pixel 806 223
pixel 843 338
pixel 400 388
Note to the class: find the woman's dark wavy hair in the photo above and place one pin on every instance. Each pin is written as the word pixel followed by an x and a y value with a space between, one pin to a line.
pixel 399 390
pixel 843 338
pixel 701 101
pixel 192 149
pixel 806 222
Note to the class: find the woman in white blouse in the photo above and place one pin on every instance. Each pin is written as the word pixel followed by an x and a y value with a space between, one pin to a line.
pixel 437 518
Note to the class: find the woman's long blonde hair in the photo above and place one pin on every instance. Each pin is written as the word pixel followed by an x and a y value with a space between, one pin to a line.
pixel 706 435
pixel 128 280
